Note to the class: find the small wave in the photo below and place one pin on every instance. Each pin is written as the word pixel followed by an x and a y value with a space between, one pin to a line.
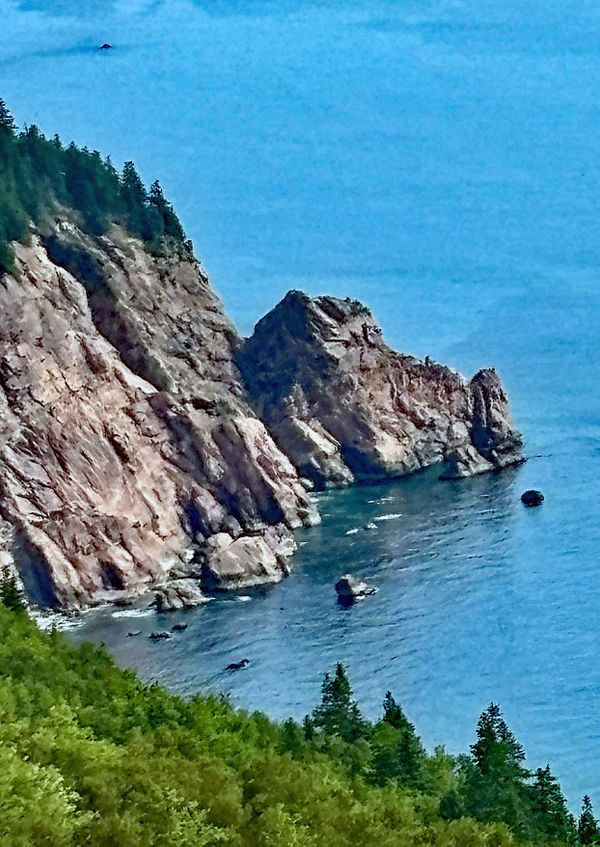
pixel 133 613
pixel 352 531
pixel 243 598
pixel 382 500
pixel 391 517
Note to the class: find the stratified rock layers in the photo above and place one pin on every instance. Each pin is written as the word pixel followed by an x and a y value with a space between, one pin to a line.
pixel 127 447
pixel 345 407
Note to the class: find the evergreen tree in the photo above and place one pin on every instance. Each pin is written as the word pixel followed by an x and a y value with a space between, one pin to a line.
pixel 10 594
pixel 587 827
pixel 550 815
pixel 7 122
pixel 397 750
pixel 495 778
pixel 170 222
pixel 338 713
pixel 39 178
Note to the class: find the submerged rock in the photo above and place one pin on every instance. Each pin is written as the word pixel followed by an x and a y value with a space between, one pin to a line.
pixel 238 666
pixel 350 588
pixel 179 627
pixel 345 407
pixel 159 635
pixel 532 497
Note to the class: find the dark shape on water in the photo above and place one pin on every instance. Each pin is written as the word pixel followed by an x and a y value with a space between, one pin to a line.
pixel 238 666
pixel 159 634
pixel 350 589
pixel 105 46
pixel 179 627
pixel 134 633
pixel 532 497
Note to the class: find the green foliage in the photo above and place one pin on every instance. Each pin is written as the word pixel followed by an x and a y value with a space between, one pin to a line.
pixel 550 816
pixel 91 756
pixel 338 713
pixel 587 827
pixel 39 179
pixel 11 595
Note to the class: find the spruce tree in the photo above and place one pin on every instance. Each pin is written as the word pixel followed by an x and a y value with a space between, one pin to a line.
pixel 587 826
pixel 495 777
pixel 338 713
pixel 397 750
pixel 10 594
pixel 550 814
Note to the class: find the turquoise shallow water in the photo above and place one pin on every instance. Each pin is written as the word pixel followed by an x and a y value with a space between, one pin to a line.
pixel 440 161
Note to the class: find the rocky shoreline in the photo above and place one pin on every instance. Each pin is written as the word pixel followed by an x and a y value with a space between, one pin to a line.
pixel 144 444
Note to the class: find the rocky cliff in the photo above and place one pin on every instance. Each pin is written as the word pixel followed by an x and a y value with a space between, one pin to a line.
pixel 128 450
pixel 133 445
pixel 345 407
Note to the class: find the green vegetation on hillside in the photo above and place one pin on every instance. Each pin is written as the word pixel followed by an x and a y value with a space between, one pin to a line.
pixel 89 755
pixel 40 179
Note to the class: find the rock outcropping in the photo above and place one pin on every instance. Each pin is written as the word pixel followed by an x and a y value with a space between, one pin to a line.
pixel 345 407
pixel 132 447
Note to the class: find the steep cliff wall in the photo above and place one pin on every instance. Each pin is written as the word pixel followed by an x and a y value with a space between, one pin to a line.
pixel 346 407
pixel 127 447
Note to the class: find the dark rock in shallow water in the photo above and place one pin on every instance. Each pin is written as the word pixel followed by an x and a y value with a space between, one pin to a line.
pixel 349 589
pixel 134 633
pixel 159 635
pixel 179 627
pixel 238 666
pixel 532 497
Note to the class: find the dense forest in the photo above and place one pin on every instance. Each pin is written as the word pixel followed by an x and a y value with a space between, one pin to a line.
pixel 40 180
pixel 89 755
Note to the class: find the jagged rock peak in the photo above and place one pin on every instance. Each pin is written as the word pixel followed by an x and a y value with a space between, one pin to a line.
pixel 345 407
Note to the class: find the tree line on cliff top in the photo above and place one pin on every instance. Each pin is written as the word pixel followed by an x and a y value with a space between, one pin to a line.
pixel 90 755
pixel 41 179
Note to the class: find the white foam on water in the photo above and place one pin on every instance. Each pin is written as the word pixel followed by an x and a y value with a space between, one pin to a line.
pixel 391 517
pixel 352 531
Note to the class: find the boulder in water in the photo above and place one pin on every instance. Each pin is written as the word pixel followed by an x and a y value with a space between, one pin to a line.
pixel 238 666
pixel 532 497
pixel 349 589
pixel 179 627
pixel 159 635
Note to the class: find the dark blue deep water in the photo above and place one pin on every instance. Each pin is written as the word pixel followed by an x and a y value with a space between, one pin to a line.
pixel 439 160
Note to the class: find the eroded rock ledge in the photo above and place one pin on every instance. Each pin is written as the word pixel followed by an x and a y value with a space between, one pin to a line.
pixel 133 449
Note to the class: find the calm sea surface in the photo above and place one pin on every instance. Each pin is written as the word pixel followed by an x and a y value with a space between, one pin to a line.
pixel 441 162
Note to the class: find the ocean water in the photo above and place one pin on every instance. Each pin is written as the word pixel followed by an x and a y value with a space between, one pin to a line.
pixel 439 160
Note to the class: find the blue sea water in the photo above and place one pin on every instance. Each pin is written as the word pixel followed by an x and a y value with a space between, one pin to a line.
pixel 439 160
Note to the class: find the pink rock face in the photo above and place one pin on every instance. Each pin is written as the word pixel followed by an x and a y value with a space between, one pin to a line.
pixel 126 438
pixel 346 407
pixel 130 453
